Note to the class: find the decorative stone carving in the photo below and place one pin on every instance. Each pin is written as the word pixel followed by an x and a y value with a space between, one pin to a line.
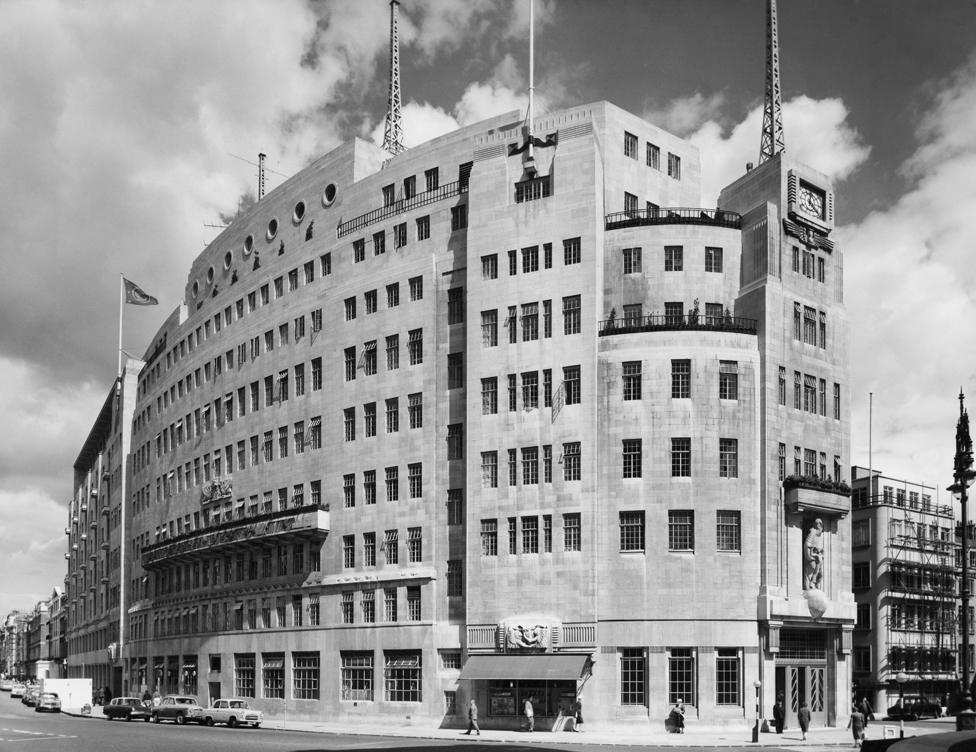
pixel 529 632
pixel 813 557
pixel 216 489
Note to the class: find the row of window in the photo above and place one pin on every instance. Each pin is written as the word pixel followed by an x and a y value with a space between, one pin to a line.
pixel 390 546
pixel 572 254
pixel 261 296
pixel 570 459
pixel 528 321
pixel 809 264
pixel 674 259
pixel 805 464
pixel 809 325
pixel 534 539
pixel 809 393
pixel 682 676
pixel 681 530
pixel 652 155
pixel 632 376
pixel 371 297
pixel 523 390
pixel 368 357
pixel 391 484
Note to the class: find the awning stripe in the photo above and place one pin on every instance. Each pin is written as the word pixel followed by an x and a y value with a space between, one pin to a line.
pixel 545 667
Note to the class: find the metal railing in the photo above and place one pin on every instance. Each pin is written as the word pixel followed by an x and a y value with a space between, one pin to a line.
pixel 657 322
pixel 402 205
pixel 673 216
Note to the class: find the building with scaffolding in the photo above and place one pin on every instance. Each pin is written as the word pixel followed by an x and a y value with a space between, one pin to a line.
pixel 904 578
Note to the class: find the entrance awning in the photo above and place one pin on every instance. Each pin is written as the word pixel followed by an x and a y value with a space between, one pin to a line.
pixel 545 667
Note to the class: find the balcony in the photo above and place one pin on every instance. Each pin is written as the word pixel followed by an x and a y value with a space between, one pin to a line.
pixel 673 216
pixel 818 495
pixel 287 525
pixel 657 322
pixel 402 205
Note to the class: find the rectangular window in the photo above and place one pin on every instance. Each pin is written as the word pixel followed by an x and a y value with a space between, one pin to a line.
pixel 368 359
pixel 571 315
pixel 530 466
pixel 809 325
pixel 393 295
pixel 489 396
pixel 369 549
pixel 305 676
pixel 489 469
pixel 244 674
pixel 455 506
pixel 533 189
pixel 325 264
pixel 455 305
pixel 572 532
pixel 489 537
pixel 530 259
pixel 512 263
pixel 455 370
pixel 530 390
pixel 728 530
pixel 358 250
pixel 680 379
pixel 415 410
pixel 681 457
pixel 489 328
pixel 349 490
pixel 782 461
pixel 797 389
pixel 423 227
pixel 674 166
pixel 653 156
pixel 459 217
pixel 432 178
pixel 530 535
pixel 403 676
pixel 632 454
pixel 416 288
pixel 369 419
pixel 571 461
pixel 571 382
pixel 399 235
pixel 728 677
pixel 728 458
pixel 810 393
pixel 346 605
pixel 415 479
pixel 512 467
pixel 316 374
pixel 782 386
pixel 357 673
pixel 728 380
pixel 390 604
pixel 489 266
pixel 673 258
pixel 633 674
pixel 630 145
pixel 273 675
pixel 393 352
pixel 713 259
pixel 349 423
pixel 369 487
pixel 632 531
pixel 632 380
pixel 632 260
pixel 392 483
pixel 415 545
pixel 836 401
pixel 379 243
pixel 350 306
pixel 415 346
pixel 413 603
pixel 681 530
pixel 572 253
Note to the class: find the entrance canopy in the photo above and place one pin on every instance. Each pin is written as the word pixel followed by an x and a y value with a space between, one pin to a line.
pixel 534 666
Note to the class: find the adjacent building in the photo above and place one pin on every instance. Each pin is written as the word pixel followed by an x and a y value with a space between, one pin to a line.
pixel 904 561
pixel 499 417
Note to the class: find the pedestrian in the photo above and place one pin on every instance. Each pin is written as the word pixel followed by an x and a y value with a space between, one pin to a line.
pixel 867 711
pixel 473 717
pixel 156 698
pixel 677 717
pixel 779 714
pixel 106 695
pixel 803 716
pixel 856 725
pixel 146 697
pixel 529 714
pixel 579 716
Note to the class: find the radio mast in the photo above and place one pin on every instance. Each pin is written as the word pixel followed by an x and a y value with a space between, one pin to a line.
pixel 393 132
pixel 773 140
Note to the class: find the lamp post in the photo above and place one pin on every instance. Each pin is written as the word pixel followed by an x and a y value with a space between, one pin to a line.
pixel 962 477
pixel 755 729
pixel 901 677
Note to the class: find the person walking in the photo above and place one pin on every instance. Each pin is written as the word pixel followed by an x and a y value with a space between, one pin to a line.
pixel 677 717
pixel 529 714
pixel 803 716
pixel 579 716
pixel 473 717
pixel 856 725
pixel 779 714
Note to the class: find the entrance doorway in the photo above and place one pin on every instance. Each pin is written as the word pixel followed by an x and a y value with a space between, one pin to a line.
pixel 799 684
pixel 214 689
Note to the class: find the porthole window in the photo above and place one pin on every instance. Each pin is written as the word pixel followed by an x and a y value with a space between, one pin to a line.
pixel 196 289
pixel 210 275
pixel 228 258
pixel 329 195
pixel 299 214
pixel 272 228
pixel 248 245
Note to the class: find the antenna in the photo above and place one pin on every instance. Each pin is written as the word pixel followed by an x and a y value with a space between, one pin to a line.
pixel 772 130
pixel 529 164
pixel 261 158
pixel 393 132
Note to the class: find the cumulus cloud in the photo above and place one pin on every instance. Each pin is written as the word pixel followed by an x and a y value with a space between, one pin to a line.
pixel 684 115
pixel 817 133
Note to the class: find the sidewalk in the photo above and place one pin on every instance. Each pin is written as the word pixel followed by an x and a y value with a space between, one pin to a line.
pixel 818 739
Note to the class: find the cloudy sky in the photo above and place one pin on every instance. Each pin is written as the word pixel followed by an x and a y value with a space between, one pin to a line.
pixel 124 123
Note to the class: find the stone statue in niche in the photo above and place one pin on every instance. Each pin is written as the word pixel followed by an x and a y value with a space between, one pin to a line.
pixel 813 557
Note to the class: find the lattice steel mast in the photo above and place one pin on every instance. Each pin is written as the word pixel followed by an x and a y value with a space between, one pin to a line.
pixel 772 130
pixel 393 132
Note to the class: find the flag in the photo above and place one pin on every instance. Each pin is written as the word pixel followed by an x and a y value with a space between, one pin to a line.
pixel 135 295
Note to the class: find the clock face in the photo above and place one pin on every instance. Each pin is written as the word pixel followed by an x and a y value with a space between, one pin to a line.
pixel 811 201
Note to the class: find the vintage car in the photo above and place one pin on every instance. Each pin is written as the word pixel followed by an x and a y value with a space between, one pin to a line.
pixel 6 685
pixel 30 696
pixel 233 711
pixel 126 708
pixel 913 707
pixel 177 708
pixel 17 689
pixel 48 702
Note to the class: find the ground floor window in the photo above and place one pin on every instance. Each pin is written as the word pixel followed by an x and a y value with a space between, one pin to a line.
pixel 403 676
pixel 357 676
pixel 273 675
pixel 681 676
pixel 633 676
pixel 305 673
pixel 728 677
pixel 507 697
pixel 244 674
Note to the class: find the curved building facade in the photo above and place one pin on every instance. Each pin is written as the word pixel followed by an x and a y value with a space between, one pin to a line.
pixel 497 418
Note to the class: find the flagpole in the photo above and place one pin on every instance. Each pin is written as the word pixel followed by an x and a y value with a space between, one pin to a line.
pixel 121 308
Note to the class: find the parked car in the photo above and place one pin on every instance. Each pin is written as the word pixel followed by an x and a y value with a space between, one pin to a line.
pixel 17 689
pixel 126 708
pixel 30 696
pixel 233 711
pixel 178 708
pixel 6 685
pixel 48 702
pixel 913 707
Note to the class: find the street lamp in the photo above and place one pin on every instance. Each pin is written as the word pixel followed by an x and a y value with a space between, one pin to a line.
pixel 901 677
pixel 755 729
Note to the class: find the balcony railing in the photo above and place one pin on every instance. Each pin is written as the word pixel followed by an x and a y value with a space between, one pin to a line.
pixel 657 322
pixel 405 204
pixel 673 216
pixel 301 522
